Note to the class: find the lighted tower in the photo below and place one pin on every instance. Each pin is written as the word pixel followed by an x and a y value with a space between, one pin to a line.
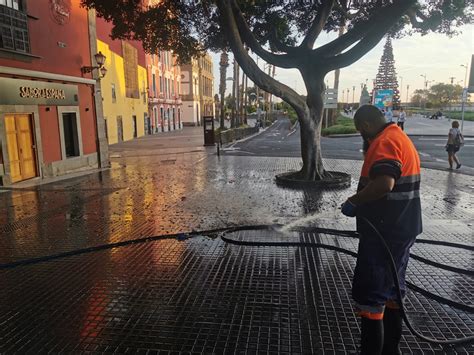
pixel 387 77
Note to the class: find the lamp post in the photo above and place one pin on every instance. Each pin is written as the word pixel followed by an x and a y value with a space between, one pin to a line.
pixel 353 93
pixel 426 88
pixel 464 96
pixel 401 88
pixel 408 88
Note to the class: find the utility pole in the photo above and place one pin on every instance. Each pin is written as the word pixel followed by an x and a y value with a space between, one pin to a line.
pixel 237 95
pixel 258 100
pixel 401 88
pixel 337 72
pixel 353 93
pixel 246 95
pixel 426 89
pixel 464 96
pixel 452 79
pixel 271 96
pixel 241 100
pixel 408 88
pixel 232 122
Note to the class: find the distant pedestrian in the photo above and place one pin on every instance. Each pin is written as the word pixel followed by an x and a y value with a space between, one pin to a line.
pixel 455 141
pixel 389 115
pixel 401 119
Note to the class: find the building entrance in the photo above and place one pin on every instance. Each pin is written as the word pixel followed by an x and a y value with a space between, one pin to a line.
pixel 21 147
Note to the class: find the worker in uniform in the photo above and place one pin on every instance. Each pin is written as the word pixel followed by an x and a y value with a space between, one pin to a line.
pixel 388 195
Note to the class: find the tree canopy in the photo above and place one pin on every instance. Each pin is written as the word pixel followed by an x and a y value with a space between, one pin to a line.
pixel 283 33
pixel 438 95
pixel 188 27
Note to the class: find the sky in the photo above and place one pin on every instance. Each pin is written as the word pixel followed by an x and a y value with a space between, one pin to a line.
pixel 435 55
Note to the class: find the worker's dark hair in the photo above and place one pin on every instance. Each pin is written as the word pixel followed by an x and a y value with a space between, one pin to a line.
pixel 455 124
pixel 369 113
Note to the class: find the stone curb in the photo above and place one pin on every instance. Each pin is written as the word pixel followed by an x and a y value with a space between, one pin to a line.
pixel 248 137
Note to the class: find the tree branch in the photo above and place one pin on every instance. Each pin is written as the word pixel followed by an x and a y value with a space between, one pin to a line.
pixel 259 77
pixel 280 46
pixel 346 13
pixel 280 60
pixel 381 24
pixel 317 25
pixel 362 29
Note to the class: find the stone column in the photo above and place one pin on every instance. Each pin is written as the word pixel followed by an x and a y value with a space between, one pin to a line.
pixel 101 138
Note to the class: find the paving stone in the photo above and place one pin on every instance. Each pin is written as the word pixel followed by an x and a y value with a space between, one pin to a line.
pixel 200 295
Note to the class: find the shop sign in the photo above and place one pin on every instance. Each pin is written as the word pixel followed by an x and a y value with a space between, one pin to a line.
pixel 29 92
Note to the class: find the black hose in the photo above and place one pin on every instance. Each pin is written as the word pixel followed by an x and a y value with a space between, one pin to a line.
pixel 393 270
pixel 396 280
pixel 342 233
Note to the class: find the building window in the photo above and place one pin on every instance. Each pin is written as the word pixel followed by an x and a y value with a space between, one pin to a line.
pixel 13 27
pixel 114 94
pixel 130 63
pixel 14 4
pixel 161 84
pixel 154 84
pixel 71 138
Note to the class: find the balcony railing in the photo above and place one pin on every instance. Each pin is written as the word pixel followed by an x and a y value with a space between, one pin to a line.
pixel 14 30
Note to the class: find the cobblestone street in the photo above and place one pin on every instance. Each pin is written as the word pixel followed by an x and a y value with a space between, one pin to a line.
pixel 199 294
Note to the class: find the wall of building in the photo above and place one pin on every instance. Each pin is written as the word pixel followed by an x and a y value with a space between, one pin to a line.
pixel 62 49
pixel 59 49
pixel 122 106
pixel 164 95
pixel 50 134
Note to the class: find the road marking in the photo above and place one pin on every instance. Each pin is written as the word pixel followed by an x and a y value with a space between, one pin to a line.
pixel 432 139
pixel 424 154
pixel 424 124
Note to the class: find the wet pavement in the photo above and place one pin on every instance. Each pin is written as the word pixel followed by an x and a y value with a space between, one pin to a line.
pixel 199 294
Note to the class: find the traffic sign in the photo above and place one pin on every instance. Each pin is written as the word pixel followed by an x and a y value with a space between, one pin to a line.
pixel 330 98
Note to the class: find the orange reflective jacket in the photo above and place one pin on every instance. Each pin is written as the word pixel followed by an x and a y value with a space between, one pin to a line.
pixel 392 153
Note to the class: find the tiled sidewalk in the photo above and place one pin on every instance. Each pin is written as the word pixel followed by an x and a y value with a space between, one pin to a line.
pixel 200 294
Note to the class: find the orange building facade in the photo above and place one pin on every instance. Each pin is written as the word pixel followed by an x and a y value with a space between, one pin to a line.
pixel 50 110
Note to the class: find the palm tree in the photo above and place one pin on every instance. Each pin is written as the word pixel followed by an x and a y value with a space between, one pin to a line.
pixel 224 63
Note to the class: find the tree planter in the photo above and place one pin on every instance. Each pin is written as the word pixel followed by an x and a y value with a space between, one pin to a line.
pixel 333 179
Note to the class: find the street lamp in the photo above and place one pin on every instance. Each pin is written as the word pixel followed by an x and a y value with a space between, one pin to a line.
pixel 465 75
pixel 100 60
pixel 353 92
pixel 426 88
pixel 464 96
pixel 401 88
pixel 408 88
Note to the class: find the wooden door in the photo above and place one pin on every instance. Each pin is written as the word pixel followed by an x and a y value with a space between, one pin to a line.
pixel 13 149
pixel 21 147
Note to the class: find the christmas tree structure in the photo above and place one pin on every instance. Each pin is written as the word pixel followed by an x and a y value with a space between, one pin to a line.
pixel 387 76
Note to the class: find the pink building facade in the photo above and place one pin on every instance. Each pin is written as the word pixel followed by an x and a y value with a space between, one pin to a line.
pixel 164 88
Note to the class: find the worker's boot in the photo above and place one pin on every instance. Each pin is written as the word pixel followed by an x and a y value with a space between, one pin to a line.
pixel 371 337
pixel 392 323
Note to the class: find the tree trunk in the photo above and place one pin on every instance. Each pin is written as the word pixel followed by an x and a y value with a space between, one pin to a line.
pixel 310 130
pixel 224 63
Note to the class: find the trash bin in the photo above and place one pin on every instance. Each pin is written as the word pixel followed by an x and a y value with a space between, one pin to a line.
pixel 209 138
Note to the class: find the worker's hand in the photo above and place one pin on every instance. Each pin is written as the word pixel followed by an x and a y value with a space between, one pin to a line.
pixel 349 209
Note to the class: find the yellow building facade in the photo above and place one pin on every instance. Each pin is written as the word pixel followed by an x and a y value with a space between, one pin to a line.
pixel 125 108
